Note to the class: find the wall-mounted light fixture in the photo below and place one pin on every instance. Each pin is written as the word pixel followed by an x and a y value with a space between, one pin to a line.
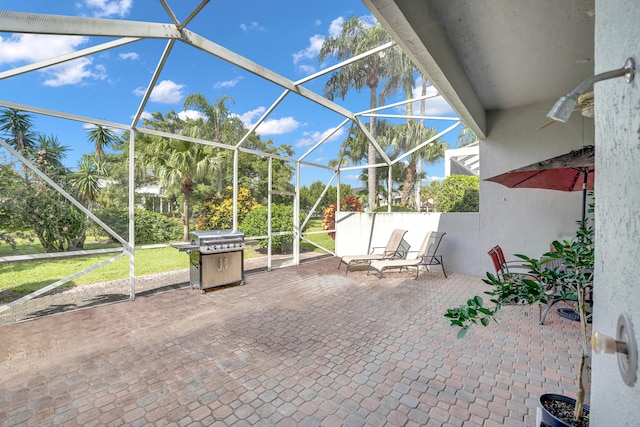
pixel 562 110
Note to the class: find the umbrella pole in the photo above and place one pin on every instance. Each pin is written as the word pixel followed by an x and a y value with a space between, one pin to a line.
pixel 584 193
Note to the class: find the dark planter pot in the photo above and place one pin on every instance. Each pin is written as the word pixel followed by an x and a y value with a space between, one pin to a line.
pixel 551 420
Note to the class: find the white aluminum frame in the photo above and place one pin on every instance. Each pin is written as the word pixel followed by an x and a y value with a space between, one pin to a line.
pixel 127 32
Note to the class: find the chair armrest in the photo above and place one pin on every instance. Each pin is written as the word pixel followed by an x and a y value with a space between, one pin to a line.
pixel 374 248
pixel 514 264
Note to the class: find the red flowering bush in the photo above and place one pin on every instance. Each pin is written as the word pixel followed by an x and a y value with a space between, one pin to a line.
pixel 349 204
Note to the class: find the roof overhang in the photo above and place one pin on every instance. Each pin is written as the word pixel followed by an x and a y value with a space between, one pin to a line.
pixel 494 55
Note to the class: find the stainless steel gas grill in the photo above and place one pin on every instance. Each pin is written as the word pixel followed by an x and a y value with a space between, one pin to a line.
pixel 216 258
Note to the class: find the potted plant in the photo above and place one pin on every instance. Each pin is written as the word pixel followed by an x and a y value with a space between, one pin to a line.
pixel 572 279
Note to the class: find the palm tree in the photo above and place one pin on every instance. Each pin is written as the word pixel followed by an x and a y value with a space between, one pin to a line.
pixel 50 153
pixel 215 114
pixel 17 125
pixel 401 77
pixel 176 163
pixel 466 136
pixel 406 137
pixel 86 180
pixel 354 149
pixel 102 137
pixel 423 107
pixel 355 38
pixel 216 126
pixel 401 73
pixel 180 163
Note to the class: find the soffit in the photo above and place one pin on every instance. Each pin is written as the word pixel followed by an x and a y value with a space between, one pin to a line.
pixel 494 54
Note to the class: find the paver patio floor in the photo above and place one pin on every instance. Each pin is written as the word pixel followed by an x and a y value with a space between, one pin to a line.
pixel 300 346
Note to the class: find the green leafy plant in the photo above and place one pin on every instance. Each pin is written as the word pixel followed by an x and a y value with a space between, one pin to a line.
pixel 572 280
pixel 151 227
pixel 256 221
pixel 217 211
pixel 458 193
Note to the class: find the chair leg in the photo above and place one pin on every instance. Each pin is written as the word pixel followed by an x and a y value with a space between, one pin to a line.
pixel 543 316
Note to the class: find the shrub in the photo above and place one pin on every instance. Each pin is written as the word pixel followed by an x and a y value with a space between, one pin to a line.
pixel 395 208
pixel 151 227
pixel 459 193
pixel 217 211
pixel 255 224
pixel 349 204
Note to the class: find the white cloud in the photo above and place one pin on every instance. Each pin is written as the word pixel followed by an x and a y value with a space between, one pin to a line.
pixel 146 115
pixel 108 8
pixel 350 177
pixel 252 26
pixel 311 138
pixel 269 126
pixel 436 106
pixel 311 51
pixel 307 69
pixel 248 117
pixel 228 83
pixel 129 55
pixel 277 126
pixel 74 72
pixel 368 20
pixel 29 48
pixel 190 114
pixel 429 179
pixel 91 126
pixel 32 48
pixel 165 92
pixel 335 28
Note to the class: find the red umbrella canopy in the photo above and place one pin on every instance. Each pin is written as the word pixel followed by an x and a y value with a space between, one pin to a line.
pixel 563 173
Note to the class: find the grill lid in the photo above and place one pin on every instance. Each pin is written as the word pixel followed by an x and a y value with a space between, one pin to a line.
pixel 208 237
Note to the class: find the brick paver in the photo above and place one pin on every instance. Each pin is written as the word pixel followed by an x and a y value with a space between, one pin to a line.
pixel 305 345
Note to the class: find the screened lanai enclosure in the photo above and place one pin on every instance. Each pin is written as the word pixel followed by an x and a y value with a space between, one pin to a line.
pixel 183 95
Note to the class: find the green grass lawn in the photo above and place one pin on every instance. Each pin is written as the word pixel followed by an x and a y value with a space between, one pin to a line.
pixel 29 276
pixel 32 246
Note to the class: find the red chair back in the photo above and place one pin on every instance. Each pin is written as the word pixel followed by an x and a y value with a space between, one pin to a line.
pixel 503 261
pixel 494 253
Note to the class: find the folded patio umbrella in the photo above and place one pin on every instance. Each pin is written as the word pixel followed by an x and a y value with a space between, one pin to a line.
pixel 573 171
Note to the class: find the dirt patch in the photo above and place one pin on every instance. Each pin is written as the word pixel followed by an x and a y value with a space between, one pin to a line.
pixel 8 295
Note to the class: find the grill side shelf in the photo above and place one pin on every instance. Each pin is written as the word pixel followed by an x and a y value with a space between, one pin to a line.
pixel 185 247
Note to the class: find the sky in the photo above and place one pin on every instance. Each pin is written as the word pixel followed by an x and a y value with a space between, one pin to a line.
pixel 283 36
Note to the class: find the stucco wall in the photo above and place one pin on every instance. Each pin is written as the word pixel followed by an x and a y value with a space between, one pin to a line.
pixel 527 220
pixel 617 270
pixel 357 232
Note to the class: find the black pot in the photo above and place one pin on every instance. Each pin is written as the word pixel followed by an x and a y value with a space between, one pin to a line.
pixel 548 418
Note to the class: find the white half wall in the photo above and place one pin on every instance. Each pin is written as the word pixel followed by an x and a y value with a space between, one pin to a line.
pixel 357 232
